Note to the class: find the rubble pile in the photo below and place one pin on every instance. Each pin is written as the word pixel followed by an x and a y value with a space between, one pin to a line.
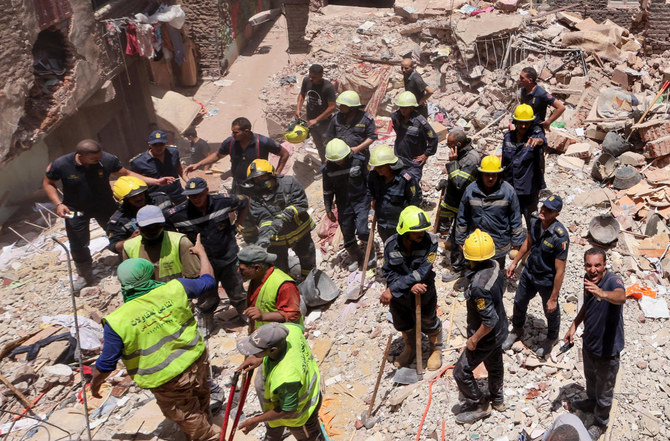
pixel 604 159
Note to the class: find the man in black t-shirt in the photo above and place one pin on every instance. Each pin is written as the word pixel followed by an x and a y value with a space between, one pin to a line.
pixel 539 99
pixel 319 94
pixel 603 338
pixel 415 84
pixel 86 194
pixel 199 149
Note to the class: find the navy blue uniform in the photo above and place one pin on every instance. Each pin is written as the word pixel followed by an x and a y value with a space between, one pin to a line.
pixel 496 213
pixel 258 148
pixel 524 168
pixel 146 165
pixel 123 224
pixel 539 272
pixel 603 341
pixel 348 185
pixel 484 306
pixel 538 99
pixel 413 138
pixel 391 198
pixel 405 268
pixel 362 127
pixel 217 235
pixel 85 190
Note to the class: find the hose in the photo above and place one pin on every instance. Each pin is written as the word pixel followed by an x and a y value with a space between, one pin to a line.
pixel 430 398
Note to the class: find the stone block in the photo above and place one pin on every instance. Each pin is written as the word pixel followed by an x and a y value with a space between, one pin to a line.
pixel 632 158
pixel 506 5
pixel 658 147
pixel 570 162
pixel 620 78
pixel 560 140
pixel 653 130
pixel 580 150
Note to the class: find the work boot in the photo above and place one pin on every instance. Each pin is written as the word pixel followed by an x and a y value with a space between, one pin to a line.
pixel 85 272
pixel 356 255
pixel 450 276
pixel 408 352
pixel 545 348
pixel 483 410
pixel 461 284
pixel 435 359
pixel 595 431
pixel 514 335
pixel 587 405
pixel 499 405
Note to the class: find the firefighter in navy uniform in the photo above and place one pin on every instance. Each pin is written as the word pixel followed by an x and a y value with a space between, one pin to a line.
pixel 208 215
pixel 391 189
pixel 408 267
pixel 131 193
pixel 352 125
pixel 345 179
pixel 486 328
pixel 279 205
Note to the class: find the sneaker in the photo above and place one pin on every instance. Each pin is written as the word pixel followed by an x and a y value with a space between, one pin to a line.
pixel 499 405
pixel 595 431
pixel 514 335
pixel 585 405
pixel 481 412
pixel 450 276
pixel 545 348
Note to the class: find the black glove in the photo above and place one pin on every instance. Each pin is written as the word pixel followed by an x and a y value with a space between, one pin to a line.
pixel 442 184
pixel 277 224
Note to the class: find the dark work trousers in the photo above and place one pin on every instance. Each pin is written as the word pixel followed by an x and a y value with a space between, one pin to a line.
pixel 528 204
pixel 492 357
pixel 318 133
pixel 525 291
pixel 303 248
pixel 600 373
pixel 423 110
pixel 79 234
pixel 403 311
pixel 231 281
pixel 353 220
pixel 311 431
pixel 385 233
pixel 456 256
pixel 415 171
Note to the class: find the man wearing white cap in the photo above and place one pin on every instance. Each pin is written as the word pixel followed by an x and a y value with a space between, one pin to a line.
pixel 167 250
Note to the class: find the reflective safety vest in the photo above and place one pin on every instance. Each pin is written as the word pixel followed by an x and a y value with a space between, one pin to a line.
pixel 267 296
pixel 297 365
pixel 169 264
pixel 159 333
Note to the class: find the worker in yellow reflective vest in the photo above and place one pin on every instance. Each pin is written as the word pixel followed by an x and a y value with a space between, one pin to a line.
pixel 155 334
pixel 273 295
pixel 287 384
pixel 166 250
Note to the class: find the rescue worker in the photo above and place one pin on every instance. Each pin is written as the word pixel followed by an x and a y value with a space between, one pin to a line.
pixel 603 337
pixel 490 204
pixel 345 179
pixel 86 195
pixel 487 330
pixel 279 205
pixel 461 171
pixel 209 216
pixel 391 189
pixel 288 383
pixel 158 161
pixel 415 139
pixel 547 247
pixel 319 96
pixel 523 160
pixel 167 250
pixel 415 84
pixel 243 146
pixel 352 125
pixel 408 268
pixel 131 194
pixel 273 295
pixel 155 334
pixel 538 98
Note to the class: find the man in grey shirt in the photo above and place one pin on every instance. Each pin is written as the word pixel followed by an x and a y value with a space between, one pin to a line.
pixel 567 427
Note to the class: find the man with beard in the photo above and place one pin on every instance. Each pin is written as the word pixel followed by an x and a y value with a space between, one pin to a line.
pixel 603 338
pixel 166 250
pixel 415 84
pixel 352 125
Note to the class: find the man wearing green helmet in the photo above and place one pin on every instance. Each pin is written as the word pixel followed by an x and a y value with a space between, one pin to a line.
pixel 408 267
pixel 345 179
pixel 352 125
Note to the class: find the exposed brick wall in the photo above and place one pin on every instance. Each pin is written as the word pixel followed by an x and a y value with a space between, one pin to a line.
pixel 658 32
pixel 206 21
pixel 297 15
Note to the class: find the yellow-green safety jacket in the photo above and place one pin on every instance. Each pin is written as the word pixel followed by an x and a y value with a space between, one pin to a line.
pixel 267 296
pixel 169 264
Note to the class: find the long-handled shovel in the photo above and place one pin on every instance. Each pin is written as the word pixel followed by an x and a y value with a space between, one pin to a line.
pixel 240 406
pixel 405 375
pixel 366 417
pixel 229 405
pixel 353 295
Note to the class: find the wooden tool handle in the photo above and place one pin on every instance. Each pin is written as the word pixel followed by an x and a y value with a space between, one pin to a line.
pixel 379 375
pixel 419 351
pixel 371 239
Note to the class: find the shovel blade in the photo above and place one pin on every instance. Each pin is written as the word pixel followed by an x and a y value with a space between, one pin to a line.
pixel 406 375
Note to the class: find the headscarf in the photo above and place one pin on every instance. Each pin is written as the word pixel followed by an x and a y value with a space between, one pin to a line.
pixel 135 277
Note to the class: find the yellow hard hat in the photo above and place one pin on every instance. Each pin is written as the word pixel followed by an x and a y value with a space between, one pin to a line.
pixel 479 246
pixel 128 186
pixel 348 98
pixel 382 155
pixel 260 167
pixel 296 132
pixel 336 150
pixel 412 220
pixel 523 112
pixel 406 99
pixel 490 164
